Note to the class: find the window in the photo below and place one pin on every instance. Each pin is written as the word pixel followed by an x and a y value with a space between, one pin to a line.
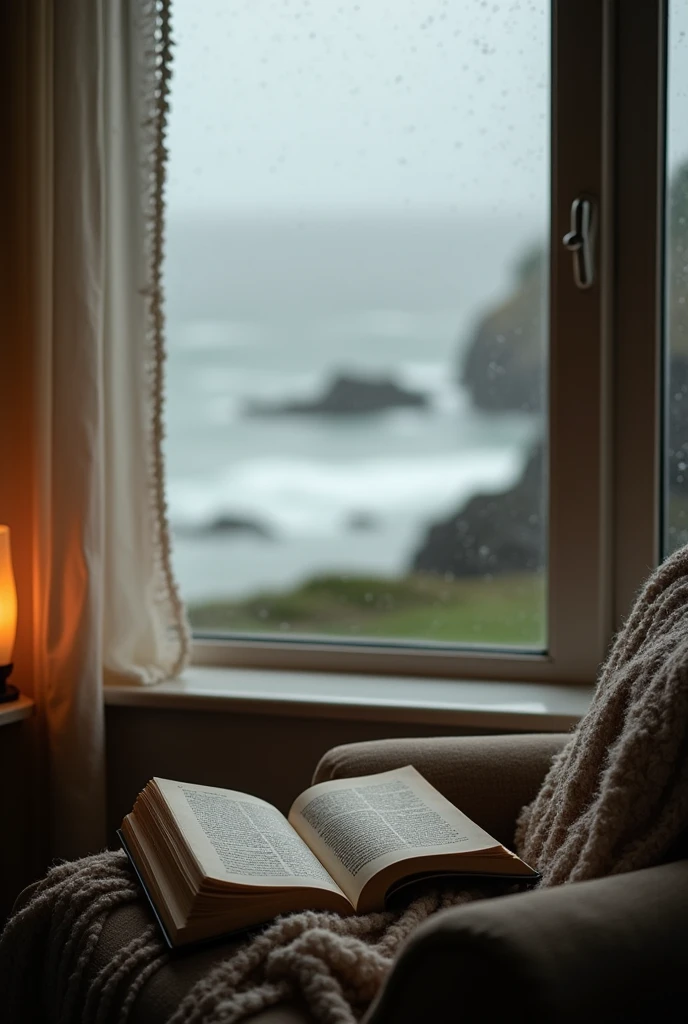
pixel 357 280
pixel 393 413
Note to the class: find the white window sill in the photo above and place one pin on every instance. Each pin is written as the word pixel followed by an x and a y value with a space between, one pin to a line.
pixel 522 707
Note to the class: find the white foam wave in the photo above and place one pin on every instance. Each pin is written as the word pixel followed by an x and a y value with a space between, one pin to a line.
pixel 309 498
pixel 437 380
pixel 209 335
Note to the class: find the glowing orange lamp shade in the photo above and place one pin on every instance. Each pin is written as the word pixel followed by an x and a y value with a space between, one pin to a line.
pixel 8 616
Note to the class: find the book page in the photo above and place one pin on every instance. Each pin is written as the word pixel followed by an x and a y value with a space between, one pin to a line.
pixel 358 827
pixel 242 839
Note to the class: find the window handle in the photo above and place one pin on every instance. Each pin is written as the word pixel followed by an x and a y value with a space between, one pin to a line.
pixel 580 240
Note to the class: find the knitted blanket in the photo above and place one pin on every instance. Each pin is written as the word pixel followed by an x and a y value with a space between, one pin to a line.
pixel 615 799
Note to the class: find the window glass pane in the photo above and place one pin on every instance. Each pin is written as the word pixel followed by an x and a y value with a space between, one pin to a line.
pixel 676 284
pixel 356 278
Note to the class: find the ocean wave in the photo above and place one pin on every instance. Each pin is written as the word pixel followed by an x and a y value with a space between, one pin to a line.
pixel 380 323
pixel 295 498
pixel 213 335
pixel 355 327
pixel 240 382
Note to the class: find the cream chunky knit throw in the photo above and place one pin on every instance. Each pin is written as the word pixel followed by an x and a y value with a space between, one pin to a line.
pixel 615 799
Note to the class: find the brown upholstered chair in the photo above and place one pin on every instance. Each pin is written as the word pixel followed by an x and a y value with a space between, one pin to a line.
pixel 611 950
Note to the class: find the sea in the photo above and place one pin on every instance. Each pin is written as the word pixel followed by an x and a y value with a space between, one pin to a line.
pixel 274 306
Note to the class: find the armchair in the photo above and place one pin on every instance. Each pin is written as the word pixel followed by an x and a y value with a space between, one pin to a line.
pixel 607 950
pixel 611 950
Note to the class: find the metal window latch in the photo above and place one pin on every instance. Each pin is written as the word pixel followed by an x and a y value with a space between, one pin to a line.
pixel 580 240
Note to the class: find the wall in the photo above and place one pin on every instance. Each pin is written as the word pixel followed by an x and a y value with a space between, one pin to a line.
pixel 20 860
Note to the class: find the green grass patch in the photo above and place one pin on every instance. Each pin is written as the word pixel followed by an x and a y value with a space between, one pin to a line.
pixel 503 610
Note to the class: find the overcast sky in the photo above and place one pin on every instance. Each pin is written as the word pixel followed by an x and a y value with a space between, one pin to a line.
pixel 343 104
pixel 337 104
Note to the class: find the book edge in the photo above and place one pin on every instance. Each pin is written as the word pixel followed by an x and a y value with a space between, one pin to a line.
pixel 161 924
pixel 193 944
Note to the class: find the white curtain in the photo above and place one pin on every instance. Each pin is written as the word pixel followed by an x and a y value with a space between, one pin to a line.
pixel 98 601
pixel 146 634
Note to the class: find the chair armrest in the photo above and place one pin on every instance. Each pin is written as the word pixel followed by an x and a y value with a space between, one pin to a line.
pixel 489 778
pixel 608 950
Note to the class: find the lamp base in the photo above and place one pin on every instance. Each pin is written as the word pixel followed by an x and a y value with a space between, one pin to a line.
pixel 8 693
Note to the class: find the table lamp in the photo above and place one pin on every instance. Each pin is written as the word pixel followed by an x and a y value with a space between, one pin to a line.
pixel 8 617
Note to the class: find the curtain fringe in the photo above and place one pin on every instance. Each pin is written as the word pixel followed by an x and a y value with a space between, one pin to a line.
pixel 155 16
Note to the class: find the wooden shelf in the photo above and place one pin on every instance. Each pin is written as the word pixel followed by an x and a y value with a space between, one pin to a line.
pixel 16 710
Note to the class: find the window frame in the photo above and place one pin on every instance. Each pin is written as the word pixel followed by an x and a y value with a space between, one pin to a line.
pixel 640 143
pixel 604 452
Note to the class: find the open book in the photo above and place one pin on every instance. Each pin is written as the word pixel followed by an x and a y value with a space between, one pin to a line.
pixel 214 861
